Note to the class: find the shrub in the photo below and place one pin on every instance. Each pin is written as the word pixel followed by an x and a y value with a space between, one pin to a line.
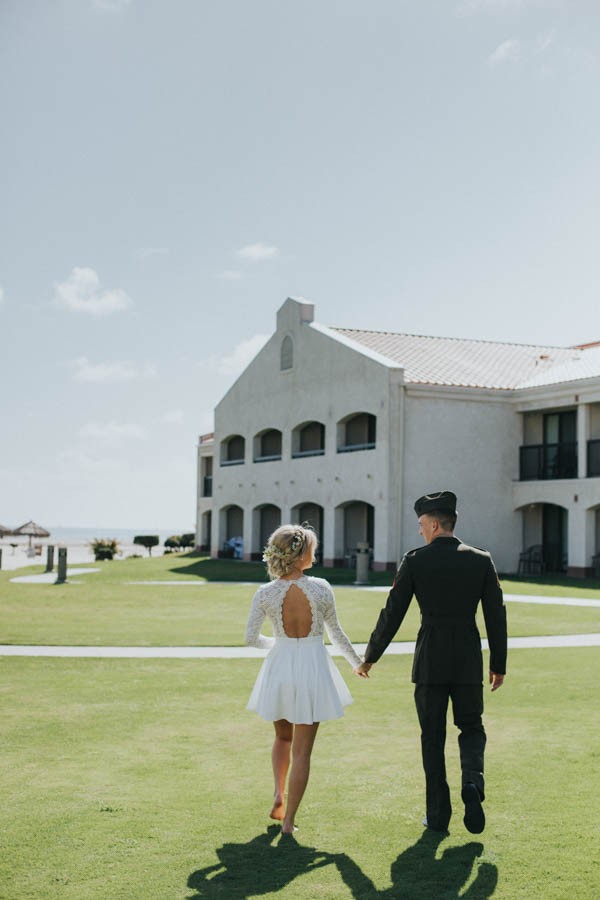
pixel 173 543
pixel 147 540
pixel 188 540
pixel 104 548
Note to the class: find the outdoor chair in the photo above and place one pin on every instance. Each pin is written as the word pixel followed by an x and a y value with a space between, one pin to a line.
pixel 531 561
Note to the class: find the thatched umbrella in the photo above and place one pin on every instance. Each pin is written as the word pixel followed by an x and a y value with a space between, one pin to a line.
pixel 31 529
pixel 4 531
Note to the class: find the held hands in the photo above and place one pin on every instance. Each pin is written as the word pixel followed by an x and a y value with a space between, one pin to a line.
pixel 363 670
pixel 496 680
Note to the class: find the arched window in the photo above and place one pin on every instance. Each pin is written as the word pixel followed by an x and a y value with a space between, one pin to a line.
pixel 308 440
pixel 357 432
pixel 267 445
pixel 233 450
pixel 287 353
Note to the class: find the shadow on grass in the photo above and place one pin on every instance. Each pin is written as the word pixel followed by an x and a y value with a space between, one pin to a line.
pixel 262 867
pixel 239 570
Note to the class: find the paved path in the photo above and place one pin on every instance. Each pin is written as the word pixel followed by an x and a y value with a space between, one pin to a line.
pixel 396 648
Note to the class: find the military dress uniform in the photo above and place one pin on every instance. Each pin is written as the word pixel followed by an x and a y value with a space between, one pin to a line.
pixel 448 578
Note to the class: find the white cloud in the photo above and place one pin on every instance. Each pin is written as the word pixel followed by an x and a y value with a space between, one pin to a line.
pixel 82 292
pixel 106 372
pixel 111 432
pixel 235 362
pixel 230 275
pixel 506 52
pixel 258 252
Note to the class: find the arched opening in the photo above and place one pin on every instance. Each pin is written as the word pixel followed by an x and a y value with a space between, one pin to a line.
pixel 308 439
pixel 311 514
pixel 266 519
pixel 206 531
pixel 545 539
pixel 357 432
pixel 267 445
pixel 232 532
pixel 355 523
pixel 233 450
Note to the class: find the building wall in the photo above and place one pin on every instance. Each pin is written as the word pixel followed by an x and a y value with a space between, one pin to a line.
pixel 467 442
pixel 328 382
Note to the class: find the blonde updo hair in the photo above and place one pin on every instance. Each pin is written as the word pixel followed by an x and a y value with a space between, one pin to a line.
pixel 285 547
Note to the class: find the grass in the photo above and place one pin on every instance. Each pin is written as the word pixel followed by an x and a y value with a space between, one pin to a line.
pixel 104 608
pixel 127 779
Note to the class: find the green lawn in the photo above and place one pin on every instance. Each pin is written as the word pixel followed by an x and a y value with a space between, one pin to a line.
pixel 104 608
pixel 148 779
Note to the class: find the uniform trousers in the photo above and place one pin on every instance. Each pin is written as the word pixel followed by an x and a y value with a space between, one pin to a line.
pixel 467 706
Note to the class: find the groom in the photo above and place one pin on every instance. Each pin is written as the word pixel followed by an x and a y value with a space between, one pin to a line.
pixel 449 579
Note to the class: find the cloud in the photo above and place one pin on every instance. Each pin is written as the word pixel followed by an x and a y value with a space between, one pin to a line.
pixel 112 432
pixel 258 252
pixel 235 362
pixel 82 292
pixel 508 51
pixel 230 276
pixel 107 372
pixel 146 252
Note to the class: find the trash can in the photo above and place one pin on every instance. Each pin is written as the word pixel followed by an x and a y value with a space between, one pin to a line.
pixel 362 563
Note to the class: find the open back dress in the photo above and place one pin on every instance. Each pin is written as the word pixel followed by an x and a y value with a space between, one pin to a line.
pixel 298 680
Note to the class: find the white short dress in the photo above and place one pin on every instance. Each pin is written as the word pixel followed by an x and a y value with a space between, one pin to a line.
pixel 298 680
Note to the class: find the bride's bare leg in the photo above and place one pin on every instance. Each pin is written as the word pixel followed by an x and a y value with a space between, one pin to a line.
pixel 304 738
pixel 280 757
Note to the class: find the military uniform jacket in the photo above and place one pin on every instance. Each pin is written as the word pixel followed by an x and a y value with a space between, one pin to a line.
pixel 449 579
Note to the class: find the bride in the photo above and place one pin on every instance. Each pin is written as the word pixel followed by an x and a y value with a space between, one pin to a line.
pixel 298 685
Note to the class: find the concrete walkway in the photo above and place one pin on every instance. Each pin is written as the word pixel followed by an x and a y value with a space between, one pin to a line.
pixel 396 648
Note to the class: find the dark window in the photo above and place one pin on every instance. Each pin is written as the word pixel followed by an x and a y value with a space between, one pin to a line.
pixel 359 433
pixel 557 456
pixel 268 446
pixel 233 451
pixel 309 440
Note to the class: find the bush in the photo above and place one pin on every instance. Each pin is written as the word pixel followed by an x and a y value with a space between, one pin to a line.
pixel 173 543
pixel 147 540
pixel 188 540
pixel 104 548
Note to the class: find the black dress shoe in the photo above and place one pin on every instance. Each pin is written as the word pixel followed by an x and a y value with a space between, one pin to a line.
pixel 474 818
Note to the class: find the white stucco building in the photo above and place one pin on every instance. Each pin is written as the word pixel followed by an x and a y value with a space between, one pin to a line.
pixel 345 428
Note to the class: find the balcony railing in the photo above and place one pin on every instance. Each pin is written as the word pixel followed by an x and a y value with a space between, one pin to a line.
pixel 268 457
pixel 352 448
pixel 593 458
pixel 299 454
pixel 541 462
pixel 233 462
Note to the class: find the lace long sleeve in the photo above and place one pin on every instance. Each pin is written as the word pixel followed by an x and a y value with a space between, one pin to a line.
pixel 337 635
pixel 257 616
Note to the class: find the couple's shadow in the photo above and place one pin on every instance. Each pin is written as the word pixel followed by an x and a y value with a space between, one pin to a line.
pixel 262 867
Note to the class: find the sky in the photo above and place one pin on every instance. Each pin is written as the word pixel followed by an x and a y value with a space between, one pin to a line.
pixel 172 170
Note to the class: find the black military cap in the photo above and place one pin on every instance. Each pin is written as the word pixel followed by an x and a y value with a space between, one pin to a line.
pixel 440 501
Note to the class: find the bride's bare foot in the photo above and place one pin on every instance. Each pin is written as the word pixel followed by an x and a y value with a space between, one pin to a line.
pixel 288 828
pixel 278 809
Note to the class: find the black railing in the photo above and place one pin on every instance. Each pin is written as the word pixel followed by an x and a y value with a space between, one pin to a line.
pixel 207 486
pixel 541 462
pixel 299 454
pixel 352 448
pixel 593 458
